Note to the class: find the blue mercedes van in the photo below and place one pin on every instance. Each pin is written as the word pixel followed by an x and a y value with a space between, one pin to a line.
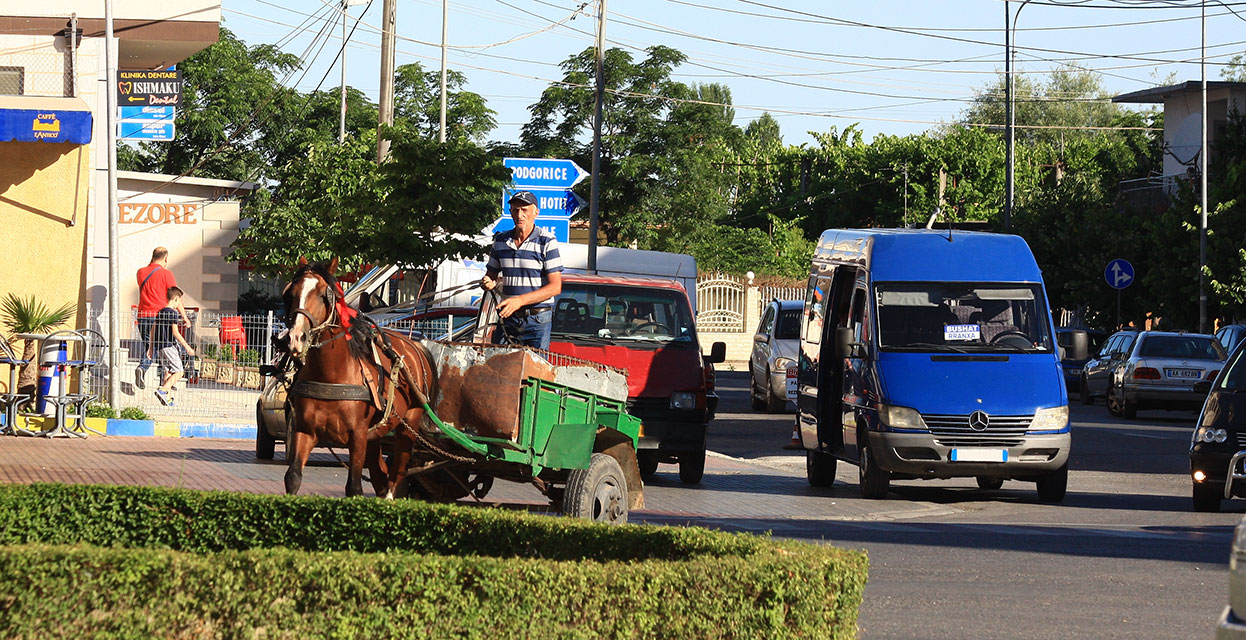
pixel 931 354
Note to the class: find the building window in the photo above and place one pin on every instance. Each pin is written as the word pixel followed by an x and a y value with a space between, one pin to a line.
pixel 11 81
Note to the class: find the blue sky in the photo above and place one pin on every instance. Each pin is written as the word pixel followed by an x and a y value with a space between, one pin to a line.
pixel 891 66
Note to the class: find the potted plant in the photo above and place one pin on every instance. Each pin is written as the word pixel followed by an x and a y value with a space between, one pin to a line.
pixel 29 315
pixel 248 370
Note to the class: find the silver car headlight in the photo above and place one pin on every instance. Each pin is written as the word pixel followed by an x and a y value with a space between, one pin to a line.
pixel 900 417
pixel 1051 419
pixel 683 400
pixel 1207 434
pixel 781 364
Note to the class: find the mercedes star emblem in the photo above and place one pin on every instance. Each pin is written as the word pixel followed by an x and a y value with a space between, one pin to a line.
pixel 979 421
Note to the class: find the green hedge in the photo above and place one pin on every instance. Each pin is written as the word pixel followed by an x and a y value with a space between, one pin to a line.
pixel 178 563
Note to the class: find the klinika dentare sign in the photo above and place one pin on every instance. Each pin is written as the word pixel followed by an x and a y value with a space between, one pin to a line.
pixel 137 87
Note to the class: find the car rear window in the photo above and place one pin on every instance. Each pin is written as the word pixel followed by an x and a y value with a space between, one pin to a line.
pixel 1195 347
pixel 789 325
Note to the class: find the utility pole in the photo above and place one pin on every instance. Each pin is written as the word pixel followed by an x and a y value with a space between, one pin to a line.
pixel 341 121
pixel 385 114
pixel 1009 140
pixel 1202 161
pixel 445 13
pixel 114 252
pixel 595 195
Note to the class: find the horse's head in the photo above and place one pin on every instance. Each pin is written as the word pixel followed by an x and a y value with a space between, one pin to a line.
pixel 310 300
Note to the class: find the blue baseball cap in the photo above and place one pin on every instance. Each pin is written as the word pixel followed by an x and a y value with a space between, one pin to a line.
pixel 523 197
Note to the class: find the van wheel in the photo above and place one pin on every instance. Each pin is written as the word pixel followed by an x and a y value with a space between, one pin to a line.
pixel 692 467
pixel 874 480
pixel 989 484
pixel 265 443
pixel 820 468
pixel 1085 391
pixel 1052 487
pixel 648 464
pixel 1207 496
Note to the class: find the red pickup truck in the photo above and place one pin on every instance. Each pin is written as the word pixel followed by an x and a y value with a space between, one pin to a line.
pixel 645 326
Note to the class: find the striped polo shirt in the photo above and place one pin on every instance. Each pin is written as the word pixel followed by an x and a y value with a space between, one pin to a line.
pixel 524 268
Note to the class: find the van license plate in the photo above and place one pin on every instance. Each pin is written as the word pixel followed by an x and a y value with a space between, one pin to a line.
pixel 979 455
pixel 1191 374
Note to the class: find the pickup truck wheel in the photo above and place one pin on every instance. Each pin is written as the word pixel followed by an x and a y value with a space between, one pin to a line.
pixel 648 464
pixel 987 483
pixel 265 443
pixel 1052 487
pixel 1207 496
pixel 874 480
pixel 597 493
pixel 692 467
pixel 754 398
pixel 820 468
pixel 1085 392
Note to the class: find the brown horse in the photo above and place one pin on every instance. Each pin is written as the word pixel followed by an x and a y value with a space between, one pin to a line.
pixel 351 388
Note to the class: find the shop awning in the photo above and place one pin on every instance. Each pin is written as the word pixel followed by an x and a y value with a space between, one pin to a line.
pixel 44 119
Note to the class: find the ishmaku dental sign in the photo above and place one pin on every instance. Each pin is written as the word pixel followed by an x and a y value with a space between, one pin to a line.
pixel 140 87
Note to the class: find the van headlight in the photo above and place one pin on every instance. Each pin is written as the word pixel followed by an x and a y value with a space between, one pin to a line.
pixel 683 400
pixel 900 417
pixel 1207 434
pixel 1051 419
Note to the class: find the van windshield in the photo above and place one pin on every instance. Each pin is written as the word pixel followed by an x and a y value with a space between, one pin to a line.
pixel 1235 378
pixel 962 317
pixel 594 312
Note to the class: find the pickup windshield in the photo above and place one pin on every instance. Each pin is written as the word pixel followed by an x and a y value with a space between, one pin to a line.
pixel 962 317
pixel 617 313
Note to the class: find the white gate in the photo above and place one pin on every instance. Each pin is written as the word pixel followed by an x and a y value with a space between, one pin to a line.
pixel 720 304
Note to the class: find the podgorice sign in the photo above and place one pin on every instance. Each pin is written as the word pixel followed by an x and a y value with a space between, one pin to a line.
pixel 138 87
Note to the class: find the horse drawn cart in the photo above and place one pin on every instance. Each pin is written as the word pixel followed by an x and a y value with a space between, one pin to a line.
pixel 557 423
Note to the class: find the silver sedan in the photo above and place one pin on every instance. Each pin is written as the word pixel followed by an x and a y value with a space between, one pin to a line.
pixel 1161 370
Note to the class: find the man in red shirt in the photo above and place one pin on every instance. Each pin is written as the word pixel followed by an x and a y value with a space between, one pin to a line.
pixel 154 281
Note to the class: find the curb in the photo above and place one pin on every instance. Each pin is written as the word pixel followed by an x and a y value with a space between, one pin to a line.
pixel 150 428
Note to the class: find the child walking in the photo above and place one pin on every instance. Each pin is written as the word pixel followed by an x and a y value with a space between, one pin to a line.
pixel 166 336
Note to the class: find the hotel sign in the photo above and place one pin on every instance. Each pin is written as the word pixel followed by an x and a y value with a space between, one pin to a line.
pixel 139 87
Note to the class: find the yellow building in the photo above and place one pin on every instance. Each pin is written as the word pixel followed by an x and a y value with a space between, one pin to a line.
pixel 53 106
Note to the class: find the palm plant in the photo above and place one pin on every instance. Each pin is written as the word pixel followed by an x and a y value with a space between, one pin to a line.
pixel 29 315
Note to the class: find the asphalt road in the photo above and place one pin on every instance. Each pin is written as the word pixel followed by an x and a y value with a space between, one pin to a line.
pixel 1123 556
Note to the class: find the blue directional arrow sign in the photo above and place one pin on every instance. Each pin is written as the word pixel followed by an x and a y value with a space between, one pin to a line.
pixel 560 227
pixel 1119 273
pixel 551 203
pixel 544 172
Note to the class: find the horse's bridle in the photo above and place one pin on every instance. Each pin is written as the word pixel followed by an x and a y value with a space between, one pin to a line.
pixel 314 329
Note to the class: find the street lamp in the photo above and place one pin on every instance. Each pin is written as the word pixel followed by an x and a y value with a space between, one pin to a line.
pixel 1010 25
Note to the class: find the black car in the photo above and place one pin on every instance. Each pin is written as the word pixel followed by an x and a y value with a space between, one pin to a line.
pixel 1215 462
pixel 1073 368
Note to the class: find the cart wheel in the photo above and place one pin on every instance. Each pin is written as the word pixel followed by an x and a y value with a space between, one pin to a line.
pixel 598 492
pixel 265 443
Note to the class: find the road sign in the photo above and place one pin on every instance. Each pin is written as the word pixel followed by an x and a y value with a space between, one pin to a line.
pixel 140 87
pixel 560 227
pixel 544 172
pixel 147 113
pixel 551 203
pixel 1119 274
pixel 145 130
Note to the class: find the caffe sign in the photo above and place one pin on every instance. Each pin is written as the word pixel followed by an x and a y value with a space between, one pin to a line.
pixel 141 87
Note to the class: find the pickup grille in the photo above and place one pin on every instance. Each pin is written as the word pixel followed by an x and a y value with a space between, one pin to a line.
pixel 954 430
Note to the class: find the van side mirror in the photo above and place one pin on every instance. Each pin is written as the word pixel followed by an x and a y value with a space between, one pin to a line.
pixel 844 346
pixel 761 337
pixel 1202 387
pixel 718 353
pixel 1079 347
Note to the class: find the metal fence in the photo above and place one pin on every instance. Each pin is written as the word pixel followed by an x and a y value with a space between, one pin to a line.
pixel 780 293
pixel 720 304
